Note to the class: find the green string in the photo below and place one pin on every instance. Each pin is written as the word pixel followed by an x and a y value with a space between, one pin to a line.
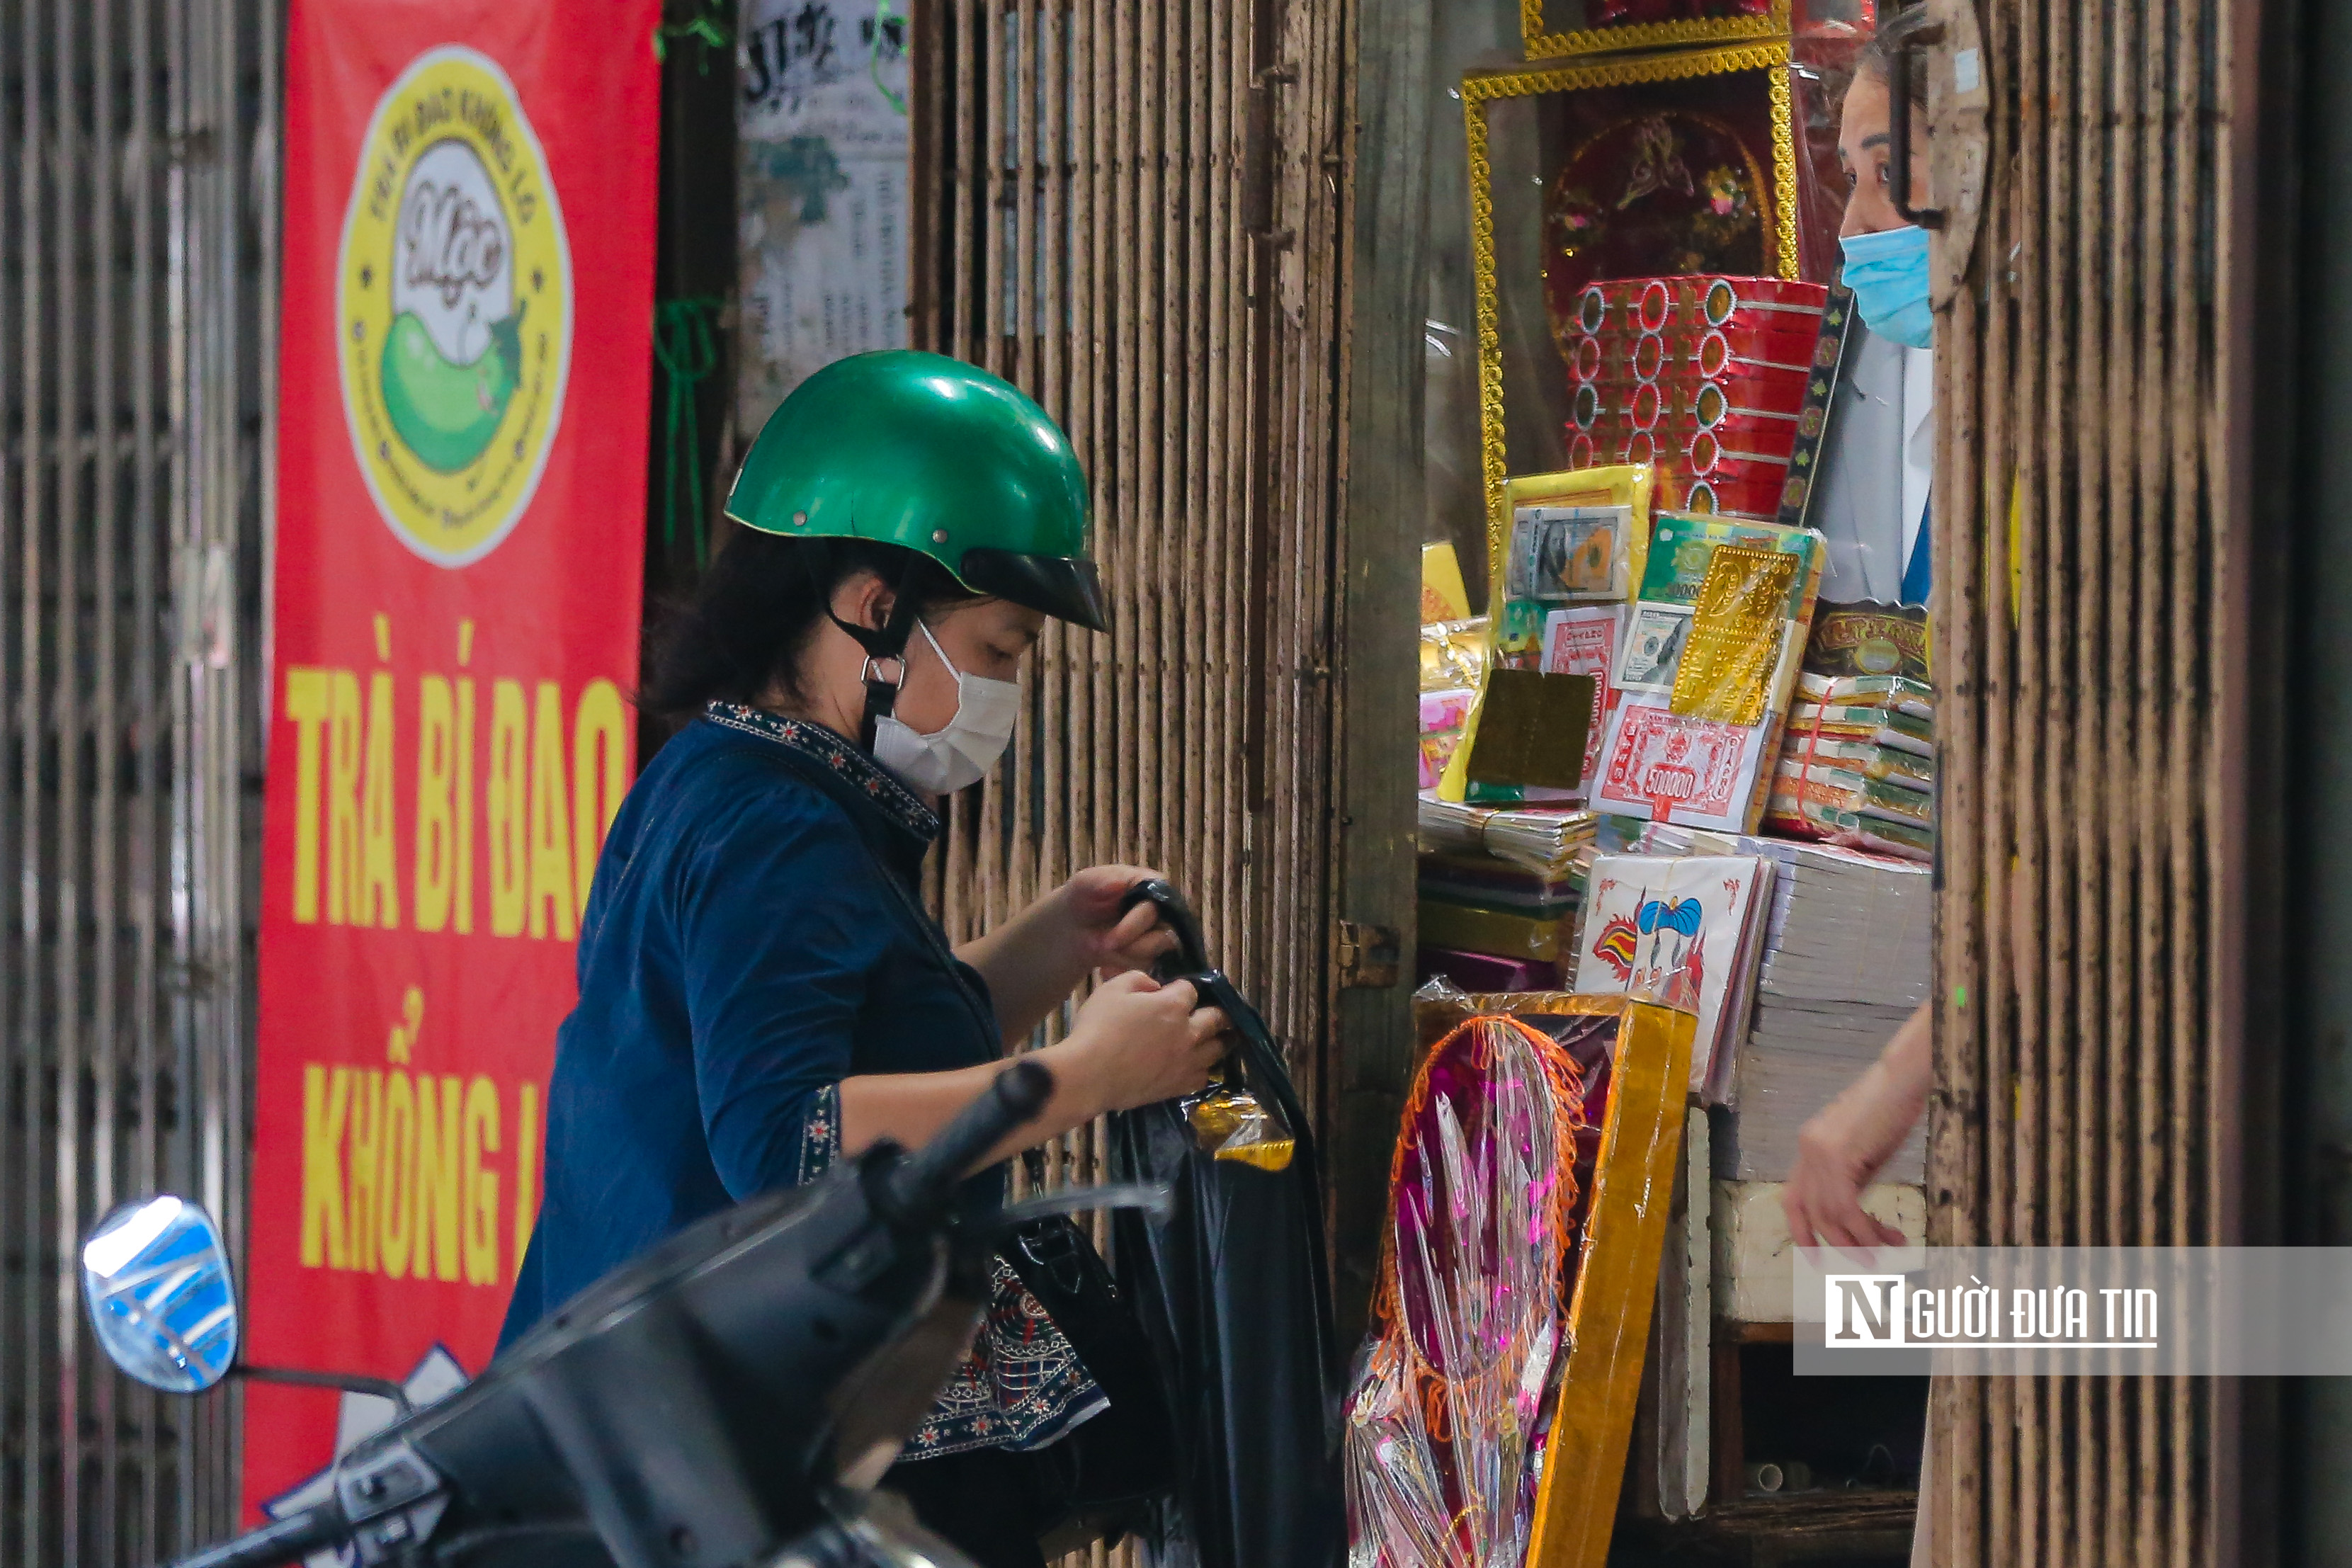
pixel 685 345
pixel 885 13
pixel 709 27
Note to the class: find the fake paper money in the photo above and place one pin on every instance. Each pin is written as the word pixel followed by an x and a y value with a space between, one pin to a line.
pixel 1654 647
pixel 1568 552
pixel 1700 699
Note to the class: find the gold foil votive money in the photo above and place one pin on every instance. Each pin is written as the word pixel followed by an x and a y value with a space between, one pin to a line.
pixel 1727 663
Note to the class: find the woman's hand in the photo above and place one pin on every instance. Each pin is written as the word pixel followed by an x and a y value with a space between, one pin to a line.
pixel 1034 960
pixel 1137 1041
pixel 1102 939
pixel 1838 1151
pixel 1851 1139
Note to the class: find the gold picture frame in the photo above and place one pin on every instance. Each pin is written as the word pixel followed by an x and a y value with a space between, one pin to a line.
pixel 1539 44
pixel 1480 90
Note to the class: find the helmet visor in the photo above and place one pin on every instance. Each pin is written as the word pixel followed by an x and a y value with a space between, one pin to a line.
pixel 1064 587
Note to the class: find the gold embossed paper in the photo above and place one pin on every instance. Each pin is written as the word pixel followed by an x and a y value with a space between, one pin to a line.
pixel 1531 729
pixel 1732 648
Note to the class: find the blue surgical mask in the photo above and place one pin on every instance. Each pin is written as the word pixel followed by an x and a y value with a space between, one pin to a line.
pixel 1888 274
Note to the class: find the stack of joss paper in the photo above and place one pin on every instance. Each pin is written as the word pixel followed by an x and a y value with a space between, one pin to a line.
pixel 1858 766
pixel 1541 838
pixel 1839 960
pixel 1575 546
pixel 1704 377
pixel 1499 892
pixel 1578 538
pixel 1707 671
pixel 1685 930
pixel 1846 960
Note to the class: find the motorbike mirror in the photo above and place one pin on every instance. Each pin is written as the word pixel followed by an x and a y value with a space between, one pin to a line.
pixel 156 1280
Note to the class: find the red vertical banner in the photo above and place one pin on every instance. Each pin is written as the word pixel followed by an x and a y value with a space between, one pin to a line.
pixel 468 225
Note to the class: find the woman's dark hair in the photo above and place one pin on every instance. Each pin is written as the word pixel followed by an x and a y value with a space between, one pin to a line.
pixel 1895 29
pixel 742 632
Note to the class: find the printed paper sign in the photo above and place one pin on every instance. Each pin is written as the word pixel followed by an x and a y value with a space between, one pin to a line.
pixel 464 393
pixel 821 191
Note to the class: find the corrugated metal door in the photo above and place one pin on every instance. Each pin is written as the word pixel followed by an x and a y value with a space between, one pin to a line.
pixel 1136 216
pixel 2091 632
pixel 137 199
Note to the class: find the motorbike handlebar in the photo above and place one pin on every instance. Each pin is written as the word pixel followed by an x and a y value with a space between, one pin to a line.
pixel 927 1179
pixel 288 1539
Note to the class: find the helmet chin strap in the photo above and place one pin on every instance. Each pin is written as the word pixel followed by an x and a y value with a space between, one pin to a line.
pixel 886 644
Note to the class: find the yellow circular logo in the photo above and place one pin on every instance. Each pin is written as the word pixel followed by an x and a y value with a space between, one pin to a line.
pixel 453 302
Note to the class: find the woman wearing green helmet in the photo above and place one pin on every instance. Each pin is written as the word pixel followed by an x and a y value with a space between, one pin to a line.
pixel 761 989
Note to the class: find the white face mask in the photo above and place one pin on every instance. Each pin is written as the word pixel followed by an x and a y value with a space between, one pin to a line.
pixel 959 755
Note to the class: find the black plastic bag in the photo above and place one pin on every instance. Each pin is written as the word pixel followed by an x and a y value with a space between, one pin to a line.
pixel 1235 1293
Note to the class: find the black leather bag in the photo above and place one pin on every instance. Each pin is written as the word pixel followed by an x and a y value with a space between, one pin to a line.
pixel 1111 1469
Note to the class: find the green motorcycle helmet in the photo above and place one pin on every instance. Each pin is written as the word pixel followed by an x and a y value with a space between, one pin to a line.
pixel 927 453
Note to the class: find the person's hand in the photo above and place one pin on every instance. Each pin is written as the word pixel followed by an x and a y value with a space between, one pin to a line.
pixel 1105 941
pixel 1137 1041
pixel 1838 1153
pixel 1036 959
pixel 1838 1150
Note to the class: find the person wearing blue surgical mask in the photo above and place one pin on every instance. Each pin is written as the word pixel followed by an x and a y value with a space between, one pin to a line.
pixel 1877 462
pixel 1885 253
pixel 1871 507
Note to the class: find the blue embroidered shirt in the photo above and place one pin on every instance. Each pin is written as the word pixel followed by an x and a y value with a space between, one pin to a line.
pixel 741 955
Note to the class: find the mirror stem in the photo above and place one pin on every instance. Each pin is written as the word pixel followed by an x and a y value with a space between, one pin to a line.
pixel 349 1382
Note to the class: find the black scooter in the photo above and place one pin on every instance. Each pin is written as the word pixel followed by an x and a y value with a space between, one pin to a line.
pixel 729 1400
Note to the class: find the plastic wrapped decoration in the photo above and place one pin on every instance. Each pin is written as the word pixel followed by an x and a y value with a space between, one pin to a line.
pixel 1452 654
pixel 1631 1060
pixel 1445 1422
pixel 1633 13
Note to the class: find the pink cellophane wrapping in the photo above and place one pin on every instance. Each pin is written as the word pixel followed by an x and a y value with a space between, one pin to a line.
pixel 1446 1418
